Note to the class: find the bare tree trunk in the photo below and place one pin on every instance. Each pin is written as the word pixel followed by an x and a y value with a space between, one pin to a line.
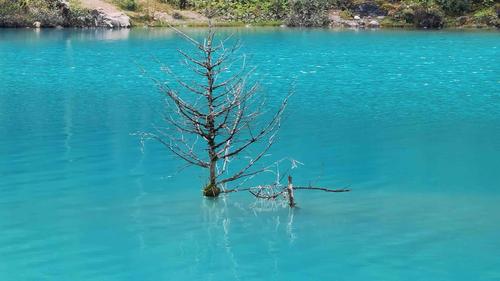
pixel 212 173
pixel 289 189
pixel 212 190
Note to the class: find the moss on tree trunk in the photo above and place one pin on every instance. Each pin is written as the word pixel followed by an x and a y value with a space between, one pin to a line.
pixel 211 190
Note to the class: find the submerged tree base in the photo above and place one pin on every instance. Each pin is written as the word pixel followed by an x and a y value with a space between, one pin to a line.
pixel 211 190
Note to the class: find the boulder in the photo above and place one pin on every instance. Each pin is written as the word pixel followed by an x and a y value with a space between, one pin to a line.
pixel 119 20
pixel 37 24
pixel 101 18
pixel 351 24
pixel 374 24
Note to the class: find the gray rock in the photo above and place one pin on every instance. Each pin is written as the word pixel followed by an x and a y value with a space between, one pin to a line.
pixel 111 20
pixel 334 17
pixel 351 24
pixel 37 24
pixel 357 22
pixel 374 24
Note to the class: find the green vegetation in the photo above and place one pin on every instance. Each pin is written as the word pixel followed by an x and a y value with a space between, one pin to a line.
pixel 26 12
pixel 390 13
pixel 488 16
pixel 129 5
pixel 418 14
pixel 307 13
pixel 43 13
pixel 398 13
pixel 245 11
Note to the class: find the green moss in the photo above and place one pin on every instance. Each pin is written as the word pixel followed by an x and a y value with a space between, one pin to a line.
pixel 211 190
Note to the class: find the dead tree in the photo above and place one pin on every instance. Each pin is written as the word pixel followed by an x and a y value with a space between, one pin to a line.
pixel 216 118
pixel 283 194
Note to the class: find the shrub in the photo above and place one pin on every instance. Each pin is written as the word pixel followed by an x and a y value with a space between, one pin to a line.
pixel 403 13
pixel 8 7
pixel 308 13
pixel 420 15
pixel 487 16
pixel 340 4
pixel 455 7
pixel 346 15
pixel 388 7
pixel 277 8
pixel 368 8
pixel 181 4
pixel 428 17
pixel 246 11
pixel 407 14
pixel 26 12
pixel 129 5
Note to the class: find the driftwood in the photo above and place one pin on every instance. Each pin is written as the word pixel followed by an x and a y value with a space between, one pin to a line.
pixel 321 188
pixel 275 191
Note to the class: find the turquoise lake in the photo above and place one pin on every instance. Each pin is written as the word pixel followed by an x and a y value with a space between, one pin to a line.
pixel 410 120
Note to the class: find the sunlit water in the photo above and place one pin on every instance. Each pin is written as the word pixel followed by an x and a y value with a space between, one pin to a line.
pixel 410 120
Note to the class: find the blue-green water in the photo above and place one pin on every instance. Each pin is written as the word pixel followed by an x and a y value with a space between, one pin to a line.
pixel 410 120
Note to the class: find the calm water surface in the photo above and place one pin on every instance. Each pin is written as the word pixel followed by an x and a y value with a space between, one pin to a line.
pixel 410 120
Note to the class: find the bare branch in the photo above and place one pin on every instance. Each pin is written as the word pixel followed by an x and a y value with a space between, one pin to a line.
pixel 321 188
pixel 221 114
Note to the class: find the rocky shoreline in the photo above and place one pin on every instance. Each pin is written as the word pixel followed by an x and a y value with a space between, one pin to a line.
pixel 59 13
pixel 366 14
pixel 368 21
pixel 101 18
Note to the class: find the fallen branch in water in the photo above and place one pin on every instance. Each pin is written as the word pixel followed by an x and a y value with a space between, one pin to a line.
pixel 294 188
pixel 321 188
pixel 272 192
